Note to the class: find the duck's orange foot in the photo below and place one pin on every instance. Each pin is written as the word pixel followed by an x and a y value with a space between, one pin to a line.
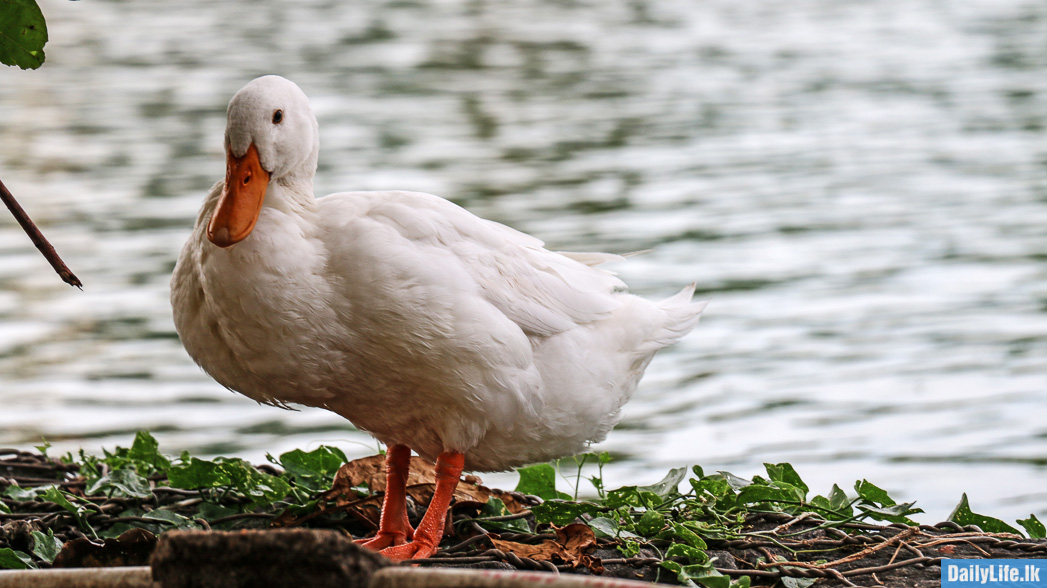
pixel 382 540
pixel 417 549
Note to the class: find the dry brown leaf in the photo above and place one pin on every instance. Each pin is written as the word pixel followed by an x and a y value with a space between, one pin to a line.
pixel 572 547
pixel 131 548
pixel 421 481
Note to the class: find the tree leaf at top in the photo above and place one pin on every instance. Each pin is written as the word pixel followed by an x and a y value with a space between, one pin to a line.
pixel 23 33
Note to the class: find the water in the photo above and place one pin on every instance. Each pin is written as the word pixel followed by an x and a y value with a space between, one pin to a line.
pixel 859 188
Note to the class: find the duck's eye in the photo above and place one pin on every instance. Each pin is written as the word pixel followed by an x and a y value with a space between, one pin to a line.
pixel 278 117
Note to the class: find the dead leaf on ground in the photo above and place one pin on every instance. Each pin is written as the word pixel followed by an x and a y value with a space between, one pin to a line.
pixel 572 547
pixel 132 548
pixel 421 483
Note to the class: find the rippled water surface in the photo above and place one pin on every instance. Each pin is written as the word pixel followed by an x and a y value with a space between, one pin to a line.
pixel 859 188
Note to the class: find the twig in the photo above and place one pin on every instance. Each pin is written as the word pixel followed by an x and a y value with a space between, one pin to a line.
pixel 38 239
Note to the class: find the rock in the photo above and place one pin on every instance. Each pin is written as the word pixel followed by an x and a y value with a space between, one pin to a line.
pixel 274 558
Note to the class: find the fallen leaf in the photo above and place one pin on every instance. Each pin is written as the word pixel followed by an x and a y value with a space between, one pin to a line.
pixel 572 547
pixel 421 483
pixel 131 548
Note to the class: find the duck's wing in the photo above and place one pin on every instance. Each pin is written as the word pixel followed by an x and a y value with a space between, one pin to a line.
pixel 543 292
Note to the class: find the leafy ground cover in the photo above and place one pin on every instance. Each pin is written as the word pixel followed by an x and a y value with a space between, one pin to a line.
pixel 692 528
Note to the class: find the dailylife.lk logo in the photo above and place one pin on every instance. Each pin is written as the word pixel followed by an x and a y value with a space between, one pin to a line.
pixel 994 573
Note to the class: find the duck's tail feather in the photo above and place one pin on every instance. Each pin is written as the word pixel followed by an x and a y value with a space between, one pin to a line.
pixel 682 315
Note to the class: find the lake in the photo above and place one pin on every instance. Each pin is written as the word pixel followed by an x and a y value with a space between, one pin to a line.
pixel 860 189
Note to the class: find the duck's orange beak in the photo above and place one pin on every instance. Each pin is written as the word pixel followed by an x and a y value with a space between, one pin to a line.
pixel 241 201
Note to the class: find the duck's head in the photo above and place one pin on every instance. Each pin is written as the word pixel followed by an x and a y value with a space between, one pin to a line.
pixel 271 136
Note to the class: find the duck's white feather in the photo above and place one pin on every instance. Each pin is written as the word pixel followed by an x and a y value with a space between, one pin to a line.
pixel 418 321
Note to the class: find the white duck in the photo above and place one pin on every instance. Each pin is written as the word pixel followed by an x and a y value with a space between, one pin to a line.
pixel 430 328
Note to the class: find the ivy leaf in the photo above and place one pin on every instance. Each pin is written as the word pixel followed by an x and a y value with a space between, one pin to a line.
pixel 1033 527
pixel 693 554
pixel 668 485
pixel 314 470
pixel 540 480
pixel 784 474
pixel 53 494
pixel 146 450
pixel 24 494
pixel 693 574
pixel 23 33
pixel 176 520
pixel 651 523
pixel 125 481
pixel 562 513
pixel 962 515
pixel 197 473
pixel 756 494
pixel 872 493
pixel 494 507
pixel 15 560
pixel 46 547
pixel 608 527
pixel 791 582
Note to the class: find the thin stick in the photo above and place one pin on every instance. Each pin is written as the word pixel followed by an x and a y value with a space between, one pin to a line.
pixel 38 239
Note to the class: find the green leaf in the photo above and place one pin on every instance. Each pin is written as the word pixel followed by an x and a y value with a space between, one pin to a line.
pixel 496 508
pixel 540 480
pixel 791 582
pixel 175 520
pixel 210 511
pixel 125 481
pixel 783 473
pixel 680 531
pixel 232 473
pixel 562 513
pixel 962 515
pixel 872 493
pixel 46 547
pixel 1033 527
pixel 693 554
pixel 716 485
pixel 757 494
pixel 57 496
pixel 608 527
pixel 45 444
pixel 651 523
pixel 634 496
pixel 704 574
pixel 24 494
pixel 23 33
pixel 146 450
pixel 197 474
pixel 15 560
pixel 734 481
pixel 838 500
pixel 315 469
pixel 668 485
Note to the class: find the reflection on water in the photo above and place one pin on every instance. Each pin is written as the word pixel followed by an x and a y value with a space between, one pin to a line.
pixel 860 189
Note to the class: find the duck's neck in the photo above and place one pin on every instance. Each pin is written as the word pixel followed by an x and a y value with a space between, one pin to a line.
pixel 292 194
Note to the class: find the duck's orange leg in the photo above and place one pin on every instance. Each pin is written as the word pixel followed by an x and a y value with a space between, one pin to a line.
pixel 430 531
pixel 393 527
